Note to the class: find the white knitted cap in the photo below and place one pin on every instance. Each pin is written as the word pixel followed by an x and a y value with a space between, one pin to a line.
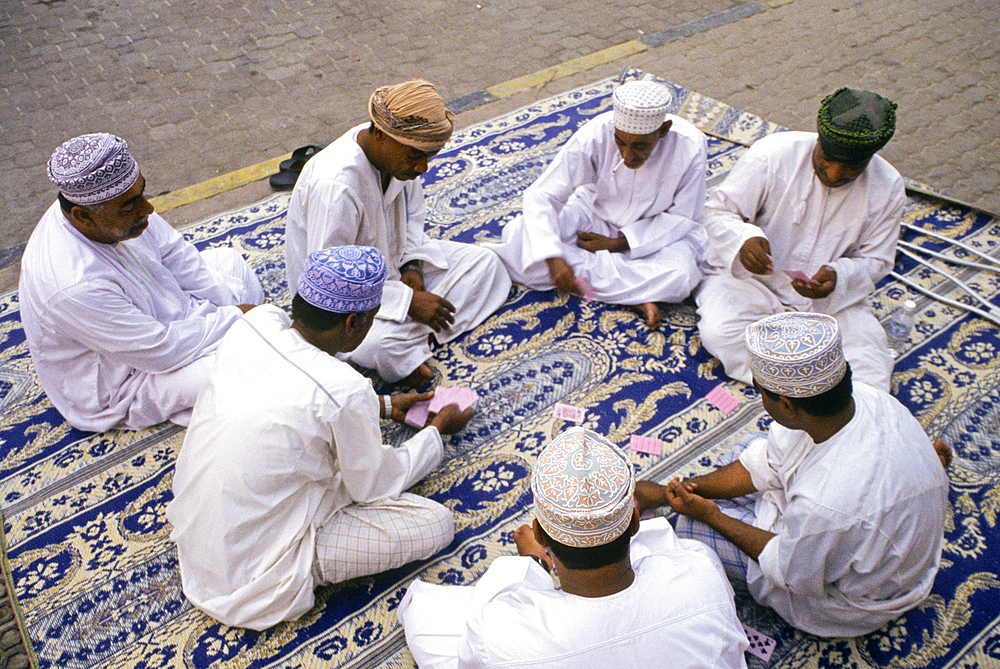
pixel 641 107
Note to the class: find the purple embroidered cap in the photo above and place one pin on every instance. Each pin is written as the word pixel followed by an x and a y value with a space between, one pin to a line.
pixel 344 279
pixel 93 168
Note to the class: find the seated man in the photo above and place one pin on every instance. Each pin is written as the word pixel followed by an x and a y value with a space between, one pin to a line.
pixel 364 189
pixel 633 235
pixel 649 601
pixel 846 534
pixel 823 205
pixel 122 315
pixel 283 482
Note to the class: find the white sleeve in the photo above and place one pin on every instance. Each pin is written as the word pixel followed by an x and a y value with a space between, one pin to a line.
pixel 733 207
pixel 372 470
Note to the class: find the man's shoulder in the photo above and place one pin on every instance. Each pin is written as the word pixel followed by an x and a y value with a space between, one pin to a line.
pixel 342 161
pixel 780 144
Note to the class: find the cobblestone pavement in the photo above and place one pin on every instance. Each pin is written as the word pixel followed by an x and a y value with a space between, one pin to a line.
pixel 205 88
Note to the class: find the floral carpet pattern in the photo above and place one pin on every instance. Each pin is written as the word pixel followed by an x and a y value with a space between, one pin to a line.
pixel 87 538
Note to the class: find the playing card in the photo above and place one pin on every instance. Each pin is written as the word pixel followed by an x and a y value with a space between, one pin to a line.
pixel 585 289
pixel 445 395
pixel 799 274
pixel 723 399
pixel 761 645
pixel 568 412
pixel 417 415
pixel 645 444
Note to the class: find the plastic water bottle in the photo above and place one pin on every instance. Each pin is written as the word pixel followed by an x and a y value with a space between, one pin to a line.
pixel 898 327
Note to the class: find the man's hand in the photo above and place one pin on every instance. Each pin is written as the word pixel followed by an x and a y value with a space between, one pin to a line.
pixel 755 254
pixel 402 403
pixel 593 242
pixel 524 539
pixel 245 307
pixel 682 499
pixel 562 275
pixel 449 420
pixel 826 281
pixel 431 310
pixel 413 278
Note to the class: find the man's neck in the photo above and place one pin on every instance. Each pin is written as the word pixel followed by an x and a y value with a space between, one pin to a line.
pixel 364 140
pixel 599 582
pixel 822 428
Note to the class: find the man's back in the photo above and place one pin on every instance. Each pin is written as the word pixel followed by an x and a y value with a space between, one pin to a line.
pixel 678 612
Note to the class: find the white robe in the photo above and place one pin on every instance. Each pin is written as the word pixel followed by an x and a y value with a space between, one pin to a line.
pixel 282 437
pixel 121 334
pixel 678 613
pixel 859 519
pixel 338 201
pixel 773 192
pixel 656 207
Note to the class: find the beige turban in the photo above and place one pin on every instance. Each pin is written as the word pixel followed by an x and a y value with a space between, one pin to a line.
pixel 412 113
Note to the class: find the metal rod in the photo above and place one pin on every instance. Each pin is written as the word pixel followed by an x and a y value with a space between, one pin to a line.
pixel 952 278
pixel 950 259
pixel 945 300
pixel 957 243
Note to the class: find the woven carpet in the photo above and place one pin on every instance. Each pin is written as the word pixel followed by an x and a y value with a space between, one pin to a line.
pixel 96 575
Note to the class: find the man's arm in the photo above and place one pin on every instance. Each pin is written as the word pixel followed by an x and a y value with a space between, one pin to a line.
pixel 749 539
pixel 732 480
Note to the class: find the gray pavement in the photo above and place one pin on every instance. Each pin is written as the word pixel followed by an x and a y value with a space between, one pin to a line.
pixel 201 89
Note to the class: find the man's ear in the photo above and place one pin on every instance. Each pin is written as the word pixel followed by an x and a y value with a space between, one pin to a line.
pixel 536 529
pixel 665 128
pixel 633 526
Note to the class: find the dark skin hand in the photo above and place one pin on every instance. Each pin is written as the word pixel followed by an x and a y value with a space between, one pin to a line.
pixel 448 421
pixel 594 242
pixel 431 310
pixel 755 254
pixel 825 281
pixel 562 275
pixel 524 539
pixel 749 539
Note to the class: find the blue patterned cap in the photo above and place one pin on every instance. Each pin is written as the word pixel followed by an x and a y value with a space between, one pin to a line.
pixel 583 487
pixel 94 168
pixel 796 354
pixel 344 279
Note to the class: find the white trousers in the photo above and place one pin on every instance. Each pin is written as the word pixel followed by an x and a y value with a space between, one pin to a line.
pixel 171 395
pixel 475 283
pixel 667 275
pixel 363 539
pixel 727 305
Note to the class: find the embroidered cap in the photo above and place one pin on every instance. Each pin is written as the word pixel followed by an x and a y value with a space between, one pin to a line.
pixel 641 107
pixel 796 354
pixel 93 168
pixel 583 487
pixel 854 124
pixel 344 279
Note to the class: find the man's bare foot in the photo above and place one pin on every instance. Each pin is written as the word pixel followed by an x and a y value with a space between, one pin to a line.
pixel 652 313
pixel 944 452
pixel 418 378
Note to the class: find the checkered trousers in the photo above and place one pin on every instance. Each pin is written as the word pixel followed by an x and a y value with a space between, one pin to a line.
pixel 363 539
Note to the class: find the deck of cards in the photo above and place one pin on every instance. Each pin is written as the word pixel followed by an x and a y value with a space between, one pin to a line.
pixel 443 396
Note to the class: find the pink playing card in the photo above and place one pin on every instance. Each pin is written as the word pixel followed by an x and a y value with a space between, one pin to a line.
pixel 761 645
pixel 417 415
pixel 799 274
pixel 585 289
pixel 445 395
pixel 723 399
pixel 568 412
pixel 646 444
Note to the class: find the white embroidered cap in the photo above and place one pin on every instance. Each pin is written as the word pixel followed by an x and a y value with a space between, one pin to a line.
pixel 583 487
pixel 796 354
pixel 93 168
pixel 641 107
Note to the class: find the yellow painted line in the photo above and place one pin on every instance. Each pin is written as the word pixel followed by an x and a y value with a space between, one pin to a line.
pixel 581 64
pixel 216 185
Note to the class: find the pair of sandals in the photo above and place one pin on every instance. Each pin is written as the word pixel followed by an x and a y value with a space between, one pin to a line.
pixel 290 169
